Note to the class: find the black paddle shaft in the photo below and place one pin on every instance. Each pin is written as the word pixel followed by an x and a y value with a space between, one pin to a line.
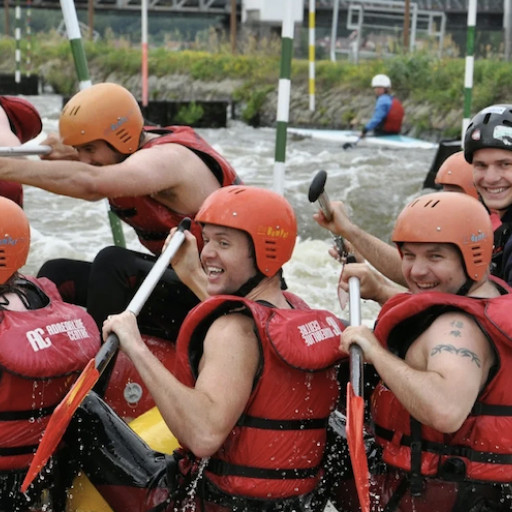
pixel 110 347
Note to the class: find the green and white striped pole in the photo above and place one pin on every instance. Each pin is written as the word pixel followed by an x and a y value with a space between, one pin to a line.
pixel 78 51
pixel 311 34
pixel 470 64
pixel 283 96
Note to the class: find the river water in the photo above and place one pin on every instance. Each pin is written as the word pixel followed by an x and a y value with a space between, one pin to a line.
pixel 375 183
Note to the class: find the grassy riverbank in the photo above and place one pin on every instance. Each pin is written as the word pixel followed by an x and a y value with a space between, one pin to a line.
pixel 431 88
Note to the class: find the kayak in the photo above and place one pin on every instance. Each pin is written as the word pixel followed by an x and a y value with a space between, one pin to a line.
pixel 350 136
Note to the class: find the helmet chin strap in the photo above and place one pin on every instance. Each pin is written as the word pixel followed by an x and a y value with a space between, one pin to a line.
pixel 250 284
pixel 464 289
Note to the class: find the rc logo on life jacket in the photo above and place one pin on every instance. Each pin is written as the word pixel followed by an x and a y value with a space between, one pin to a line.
pixel 39 340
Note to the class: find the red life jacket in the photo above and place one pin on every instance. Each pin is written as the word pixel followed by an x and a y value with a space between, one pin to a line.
pixel 26 124
pixel 12 191
pixel 126 392
pixel 393 122
pixel 276 448
pixel 25 120
pixel 151 219
pixel 43 351
pixel 482 448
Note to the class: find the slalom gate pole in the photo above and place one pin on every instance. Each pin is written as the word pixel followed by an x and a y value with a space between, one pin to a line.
pixel 311 35
pixel 470 63
pixel 78 51
pixel 144 48
pixel 283 96
pixel 17 37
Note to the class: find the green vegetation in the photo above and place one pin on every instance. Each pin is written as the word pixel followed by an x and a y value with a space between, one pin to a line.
pixel 421 78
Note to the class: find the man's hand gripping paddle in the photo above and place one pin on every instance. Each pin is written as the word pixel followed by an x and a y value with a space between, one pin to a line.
pixel 63 413
pixel 355 401
pixel 317 193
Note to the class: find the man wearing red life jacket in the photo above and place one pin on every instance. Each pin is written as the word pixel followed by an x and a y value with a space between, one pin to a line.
pixel 152 178
pixel 45 343
pixel 442 411
pixel 19 123
pixel 254 383
pixel 388 113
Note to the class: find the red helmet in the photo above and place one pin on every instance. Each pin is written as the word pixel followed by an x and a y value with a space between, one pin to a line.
pixel 14 238
pixel 455 170
pixel 106 112
pixel 265 216
pixel 453 218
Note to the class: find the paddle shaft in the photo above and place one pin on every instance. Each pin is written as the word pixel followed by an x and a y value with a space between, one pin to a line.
pixel 356 354
pixel 23 150
pixel 109 348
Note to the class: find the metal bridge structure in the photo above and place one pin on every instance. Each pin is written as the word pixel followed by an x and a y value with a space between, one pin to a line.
pixel 223 7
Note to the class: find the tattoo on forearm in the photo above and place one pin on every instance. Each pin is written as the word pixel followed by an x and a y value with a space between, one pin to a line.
pixel 463 352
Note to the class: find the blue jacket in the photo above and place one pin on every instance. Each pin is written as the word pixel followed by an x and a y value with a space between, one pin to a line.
pixel 382 107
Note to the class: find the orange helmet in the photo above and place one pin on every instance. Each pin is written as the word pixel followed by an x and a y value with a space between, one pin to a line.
pixel 265 216
pixel 14 238
pixel 106 112
pixel 449 217
pixel 455 170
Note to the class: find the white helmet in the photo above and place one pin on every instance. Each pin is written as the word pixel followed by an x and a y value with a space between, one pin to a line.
pixel 381 81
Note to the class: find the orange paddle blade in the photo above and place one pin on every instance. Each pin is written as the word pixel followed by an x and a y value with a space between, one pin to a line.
pixel 357 449
pixel 59 421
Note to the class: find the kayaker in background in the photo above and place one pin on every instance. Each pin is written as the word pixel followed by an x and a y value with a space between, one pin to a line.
pixel 388 113
pixel 442 411
pixel 19 123
pixel 254 384
pixel 46 343
pixel 488 147
pixel 152 177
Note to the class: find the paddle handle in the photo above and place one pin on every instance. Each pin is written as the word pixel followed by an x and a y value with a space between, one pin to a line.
pixel 110 347
pixel 317 193
pixel 356 354
pixel 24 150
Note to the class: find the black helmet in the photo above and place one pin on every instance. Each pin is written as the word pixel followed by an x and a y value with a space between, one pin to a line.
pixel 490 128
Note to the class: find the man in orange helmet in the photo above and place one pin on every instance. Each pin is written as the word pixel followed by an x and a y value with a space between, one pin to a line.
pixel 152 177
pixel 442 412
pixel 46 343
pixel 454 174
pixel 244 446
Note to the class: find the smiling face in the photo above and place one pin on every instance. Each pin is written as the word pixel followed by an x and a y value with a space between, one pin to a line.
pixel 492 174
pixel 227 258
pixel 98 153
pixel 432 267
